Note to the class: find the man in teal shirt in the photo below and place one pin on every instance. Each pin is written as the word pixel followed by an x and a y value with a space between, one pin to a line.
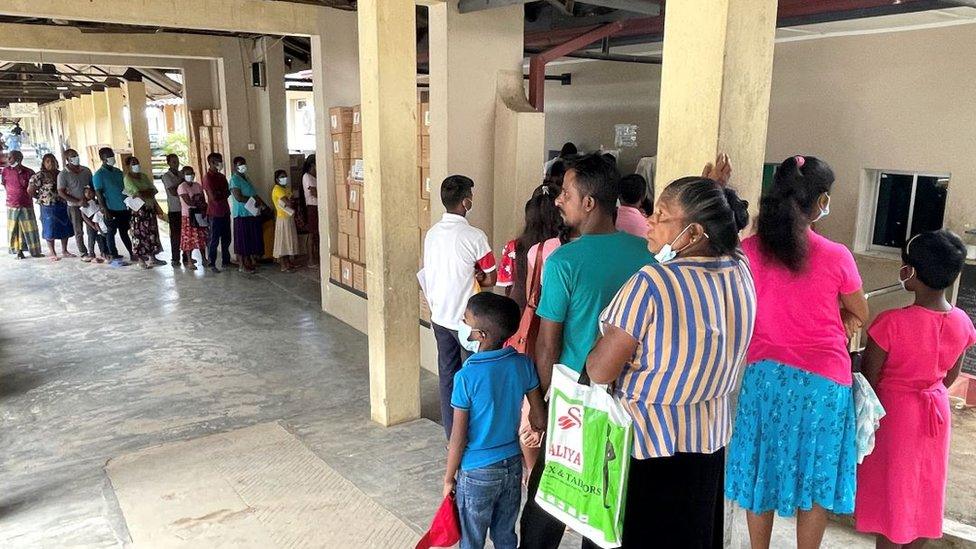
pixel 578 281
pixel 107 181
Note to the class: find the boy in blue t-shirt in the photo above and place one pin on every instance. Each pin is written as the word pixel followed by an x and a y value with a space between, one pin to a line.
pixel 487 402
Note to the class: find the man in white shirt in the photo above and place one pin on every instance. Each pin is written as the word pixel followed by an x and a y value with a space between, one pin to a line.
pixel 171 182
pixel 457 260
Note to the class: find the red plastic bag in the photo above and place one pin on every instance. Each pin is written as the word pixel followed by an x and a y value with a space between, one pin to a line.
pixel 445 529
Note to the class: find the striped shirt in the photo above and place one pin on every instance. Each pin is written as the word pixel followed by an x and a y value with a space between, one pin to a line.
pixel 692 319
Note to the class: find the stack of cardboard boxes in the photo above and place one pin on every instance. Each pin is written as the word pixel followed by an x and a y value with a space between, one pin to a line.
pixel 424 186
pixel 348 262
pixel 209 136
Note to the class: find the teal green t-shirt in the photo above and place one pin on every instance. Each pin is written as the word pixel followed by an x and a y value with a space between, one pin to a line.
pixel 580 279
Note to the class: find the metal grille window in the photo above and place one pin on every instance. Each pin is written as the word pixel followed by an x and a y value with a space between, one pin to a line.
pixel 906 204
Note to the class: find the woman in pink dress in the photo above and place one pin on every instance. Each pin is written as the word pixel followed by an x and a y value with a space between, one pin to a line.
pixel 914 354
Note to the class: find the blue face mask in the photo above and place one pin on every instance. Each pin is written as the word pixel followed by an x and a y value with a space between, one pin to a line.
pixel 464 333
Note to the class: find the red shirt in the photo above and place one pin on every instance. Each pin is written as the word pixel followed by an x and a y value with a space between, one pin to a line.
pixel 215 185
pixel 15 182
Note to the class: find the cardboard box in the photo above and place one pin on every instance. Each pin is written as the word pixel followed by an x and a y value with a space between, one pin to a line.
pixel 361 225
pixel 335 271
pixel 342 196
pixel 346 273
pixel 346 221
pixel 355 197
pixel 359 277
pixel 355 251
pixel 425 183
pixel 216 117
pixel 422 235
pixel 207 117
pixel 342 246
pixel 340 120
pixel 341 145
pixel 362 247
pixel 341 167
pixel 423 151
pixel 357 123
pixel 205 134
pixel 423 118
pixel 423 221
pixel 356 145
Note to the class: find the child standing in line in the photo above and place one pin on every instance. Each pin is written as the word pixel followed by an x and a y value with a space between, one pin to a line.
pixel 95 227
pixel 484 465
pixel 913 356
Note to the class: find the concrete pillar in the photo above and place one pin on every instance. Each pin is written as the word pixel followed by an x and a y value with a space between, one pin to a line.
pixel 466 54
pixel 119 135
pixel 335 83
pixel 88 119
pixel 135 96
pixel 715 84
pixel 272 126
pixel 103 123
pixel 388 77
pixel 78 139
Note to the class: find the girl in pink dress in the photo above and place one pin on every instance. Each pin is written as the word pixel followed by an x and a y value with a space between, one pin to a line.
pixel 914 354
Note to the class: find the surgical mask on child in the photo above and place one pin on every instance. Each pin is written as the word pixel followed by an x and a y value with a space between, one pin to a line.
pixel 282 181
pixel 904 281
pixel 464 332
pixel 668 252
pixel 825 210
pixel 242 168
pixel 188 178
pixel 135 168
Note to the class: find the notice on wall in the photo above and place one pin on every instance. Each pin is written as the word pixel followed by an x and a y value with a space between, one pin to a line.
pixel 966 300
pixel 625 135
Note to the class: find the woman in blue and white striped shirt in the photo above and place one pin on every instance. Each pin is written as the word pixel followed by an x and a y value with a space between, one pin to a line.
pixel 674 338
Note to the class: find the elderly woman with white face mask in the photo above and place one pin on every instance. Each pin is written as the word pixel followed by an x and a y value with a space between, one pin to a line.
pixel 674 338
pixel 144 229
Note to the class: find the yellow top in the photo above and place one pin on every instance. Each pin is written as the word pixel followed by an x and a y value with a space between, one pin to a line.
pixel 281 193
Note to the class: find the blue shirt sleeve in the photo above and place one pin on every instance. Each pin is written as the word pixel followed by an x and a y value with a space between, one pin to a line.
pixel 97 181
pixel 531 376
pixel 460 398
pixel 555 299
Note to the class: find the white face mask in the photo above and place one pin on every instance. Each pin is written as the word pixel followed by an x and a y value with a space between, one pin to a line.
pixel 74 160
pixel 824 211
pixel 188 178
pixel 904 281
pixel 469 208
pixel 110 161
pixel 464 332
pixel 242 168
pixel 14 164
pixel 668 252
pixel 135 168
pixel 282 181
pixel 219 166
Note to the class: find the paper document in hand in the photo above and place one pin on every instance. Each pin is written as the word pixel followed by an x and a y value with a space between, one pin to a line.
pixel 100 220
pixel 135 203
pixel 202 220
pixel 91 209
pixel 252 206
pixel 288 210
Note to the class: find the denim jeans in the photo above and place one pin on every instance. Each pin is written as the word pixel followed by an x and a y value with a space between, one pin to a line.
pixel 219 235
pixel 450 357
pixel 488 498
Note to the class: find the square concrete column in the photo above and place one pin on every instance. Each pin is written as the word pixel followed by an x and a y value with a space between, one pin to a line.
pixel 79 141
pixel 468 53
pixel 715 84
pixel 88 119
pixel 135 97
pixel 103 123
pixel 388 83
pixel 119 135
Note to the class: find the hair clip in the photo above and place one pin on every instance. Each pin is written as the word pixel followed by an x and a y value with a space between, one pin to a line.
pixel 545 190
pixel 800 161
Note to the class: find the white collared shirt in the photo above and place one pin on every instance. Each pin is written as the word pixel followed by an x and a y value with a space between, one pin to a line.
pixel 452 248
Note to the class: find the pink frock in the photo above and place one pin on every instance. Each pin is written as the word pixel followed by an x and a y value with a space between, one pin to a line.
pixel 901 485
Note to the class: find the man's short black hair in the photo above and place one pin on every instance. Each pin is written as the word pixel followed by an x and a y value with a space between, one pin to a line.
pixel 499 312
pixel 105 152
pixel 172 155
pixel 238 160
pixel 633 189
pixel 568 150
pixel 937 257
pixel 455 189
pixel 215 157
pixel 597 178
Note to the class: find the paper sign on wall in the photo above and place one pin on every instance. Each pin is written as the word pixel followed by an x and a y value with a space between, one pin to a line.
pixel 24 110
pixel 625 135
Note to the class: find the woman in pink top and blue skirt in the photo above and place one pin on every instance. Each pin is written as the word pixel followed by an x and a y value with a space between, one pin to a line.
pixel 792 449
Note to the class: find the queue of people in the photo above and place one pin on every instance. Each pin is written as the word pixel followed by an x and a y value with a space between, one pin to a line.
pixel 668 319
pixel 113 202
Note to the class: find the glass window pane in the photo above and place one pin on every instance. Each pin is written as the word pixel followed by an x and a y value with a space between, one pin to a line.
pixel 930 203
pixel 891 217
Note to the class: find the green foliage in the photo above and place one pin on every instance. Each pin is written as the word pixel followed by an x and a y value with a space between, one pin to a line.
pixel 178 144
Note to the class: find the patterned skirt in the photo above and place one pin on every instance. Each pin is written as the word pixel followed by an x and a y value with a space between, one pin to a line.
pixel 22 230
pixel 248 238
pixel 145 234
pixel 55 222
pixel 191 238
pixel 793 443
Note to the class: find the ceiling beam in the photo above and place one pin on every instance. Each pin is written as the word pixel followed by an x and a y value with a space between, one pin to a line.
pixel 469 6
pixel 644 7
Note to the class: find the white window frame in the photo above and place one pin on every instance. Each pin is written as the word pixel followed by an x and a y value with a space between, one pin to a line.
pixel 875 187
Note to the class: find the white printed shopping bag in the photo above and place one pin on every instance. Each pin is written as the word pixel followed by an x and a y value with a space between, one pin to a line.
pixel 588 445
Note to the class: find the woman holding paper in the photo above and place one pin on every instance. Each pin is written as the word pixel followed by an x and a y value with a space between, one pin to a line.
pixel 674 339
pixel 193 226
pixel 54 210
pixel 246 208
pixel 145 210
pixel 286 234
